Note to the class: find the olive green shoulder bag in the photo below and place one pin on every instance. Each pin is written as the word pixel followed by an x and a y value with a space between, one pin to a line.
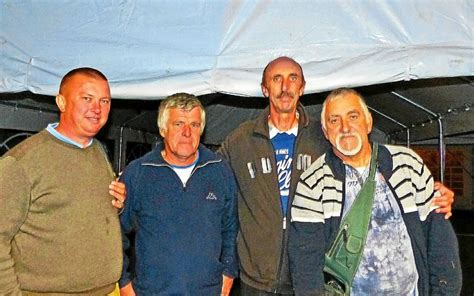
pixel 343 258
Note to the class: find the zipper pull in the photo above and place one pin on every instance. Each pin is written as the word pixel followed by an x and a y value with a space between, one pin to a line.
pixel 284 223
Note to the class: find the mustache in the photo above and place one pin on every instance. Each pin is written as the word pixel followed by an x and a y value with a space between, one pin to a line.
pixel 285 94
pixel 343 135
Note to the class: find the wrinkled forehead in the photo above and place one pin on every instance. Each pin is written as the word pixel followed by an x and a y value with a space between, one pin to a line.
pixel 343 104
pixel 185 112
pixel 284 65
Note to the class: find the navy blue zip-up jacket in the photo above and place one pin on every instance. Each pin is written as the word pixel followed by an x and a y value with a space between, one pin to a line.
pixel 185 234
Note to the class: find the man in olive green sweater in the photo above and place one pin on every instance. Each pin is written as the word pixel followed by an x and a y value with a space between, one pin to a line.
pixel 59 230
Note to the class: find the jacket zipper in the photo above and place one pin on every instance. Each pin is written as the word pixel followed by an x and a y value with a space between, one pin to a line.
pixel 282 253
pixel 283 244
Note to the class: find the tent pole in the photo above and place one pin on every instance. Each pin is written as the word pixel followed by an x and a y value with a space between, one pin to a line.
pixel 395 121
pixel 408 137
pixel 442 148
pixel 122 151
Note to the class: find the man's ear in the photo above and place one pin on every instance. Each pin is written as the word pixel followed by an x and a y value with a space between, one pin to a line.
pixel 265 91
pixel 369 123
pixel 302 88
pixel 61 103
pixel 162 132
pixel 325 133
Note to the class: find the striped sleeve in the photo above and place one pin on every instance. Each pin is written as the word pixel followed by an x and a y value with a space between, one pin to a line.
pixel 412 181
pixel 318 195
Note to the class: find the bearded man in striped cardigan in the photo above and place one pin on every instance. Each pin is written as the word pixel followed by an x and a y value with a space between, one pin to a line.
pixel 410 249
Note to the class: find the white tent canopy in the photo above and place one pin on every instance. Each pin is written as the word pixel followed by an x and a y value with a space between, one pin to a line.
pixel 150 49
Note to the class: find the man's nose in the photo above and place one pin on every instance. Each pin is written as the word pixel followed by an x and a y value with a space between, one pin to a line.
pixel 285 85
pixel 95 106
pixel 345 126
pixel 186 130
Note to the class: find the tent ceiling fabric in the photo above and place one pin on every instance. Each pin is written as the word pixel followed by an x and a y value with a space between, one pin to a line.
pixel 150 49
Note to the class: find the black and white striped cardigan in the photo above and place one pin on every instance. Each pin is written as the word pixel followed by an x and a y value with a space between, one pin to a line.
pixel 319 198
pixel 319 194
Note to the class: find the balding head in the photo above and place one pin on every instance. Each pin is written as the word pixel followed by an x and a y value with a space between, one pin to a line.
pixel 280 61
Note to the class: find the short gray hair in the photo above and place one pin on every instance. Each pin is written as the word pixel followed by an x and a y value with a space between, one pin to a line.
pixel 338 93
pixel 183 101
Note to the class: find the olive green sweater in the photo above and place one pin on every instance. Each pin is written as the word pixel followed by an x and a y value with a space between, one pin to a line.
pixel 59 232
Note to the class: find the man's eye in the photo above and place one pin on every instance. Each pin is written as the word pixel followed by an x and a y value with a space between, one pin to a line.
pixel 87 99
pixel 277 78
pixel 293 78
pixel 105 101
pixel 354 117
pixel 178 124
pixel 196 125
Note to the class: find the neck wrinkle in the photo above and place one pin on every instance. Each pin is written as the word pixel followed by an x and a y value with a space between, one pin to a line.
pixel 175 161
pixel 283 122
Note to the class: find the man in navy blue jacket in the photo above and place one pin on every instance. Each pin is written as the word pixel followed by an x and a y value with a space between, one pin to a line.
pixel 182 207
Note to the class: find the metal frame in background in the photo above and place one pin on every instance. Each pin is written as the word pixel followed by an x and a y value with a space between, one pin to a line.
pixel 407 129
pixel 439 119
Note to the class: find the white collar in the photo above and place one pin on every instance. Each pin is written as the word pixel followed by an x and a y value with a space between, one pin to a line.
pixel 273 131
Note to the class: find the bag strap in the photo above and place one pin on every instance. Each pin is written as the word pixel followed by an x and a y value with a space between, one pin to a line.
pixel 343 258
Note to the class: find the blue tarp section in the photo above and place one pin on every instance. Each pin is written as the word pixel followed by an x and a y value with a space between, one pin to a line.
pixel 150 49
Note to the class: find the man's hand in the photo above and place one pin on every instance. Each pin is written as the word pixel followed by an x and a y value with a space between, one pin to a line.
pixel 226 285
pixel 117 190
pixel 127 290
pixel 445 200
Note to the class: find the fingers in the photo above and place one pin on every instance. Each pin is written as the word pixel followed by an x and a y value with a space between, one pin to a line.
pixel 444 204
pixel 445 200
pixel 118 204
pixel 448 215
pixel 446 211
pixel 127 290
pixel 118 191
pixel 226 285
pixel 444 191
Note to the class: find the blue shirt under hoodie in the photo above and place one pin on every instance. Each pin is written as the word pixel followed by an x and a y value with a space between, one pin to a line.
pixel 185 235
